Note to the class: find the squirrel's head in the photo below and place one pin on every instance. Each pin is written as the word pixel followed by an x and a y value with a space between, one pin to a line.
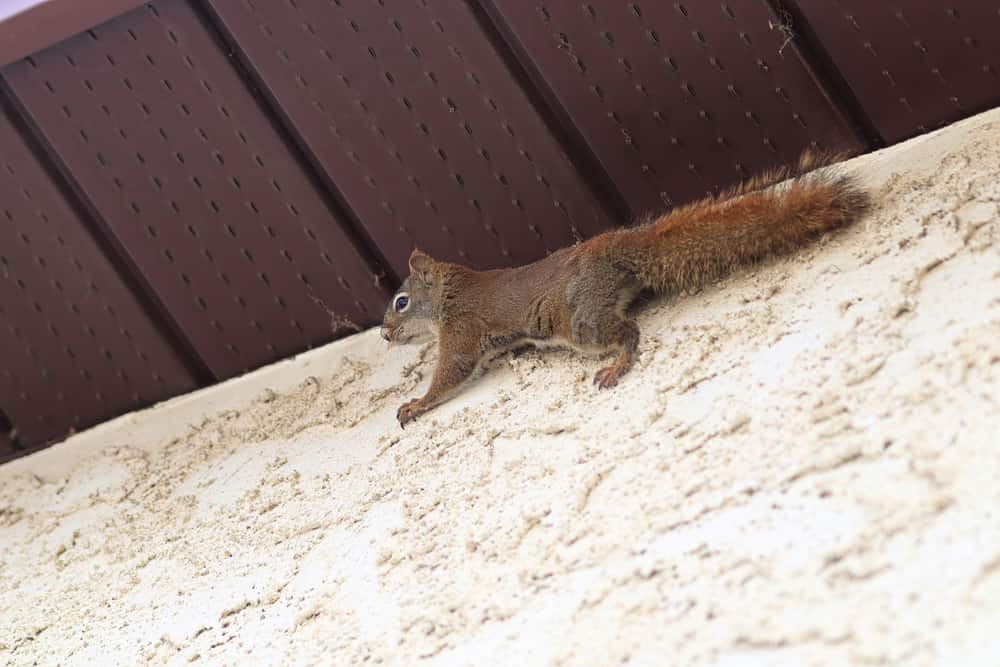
pixel 410 314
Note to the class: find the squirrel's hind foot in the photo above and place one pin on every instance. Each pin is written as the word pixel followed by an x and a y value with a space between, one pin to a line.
pixel 609 377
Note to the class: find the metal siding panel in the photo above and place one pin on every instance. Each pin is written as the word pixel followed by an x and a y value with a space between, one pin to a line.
pixel 7 448
pixel 43 24
pixel 192 178
pixel 913 65
pixel 77 346
pixel 421 125
pixel 677 99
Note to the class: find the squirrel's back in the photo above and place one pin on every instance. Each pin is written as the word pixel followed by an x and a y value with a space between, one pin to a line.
pixel 762 217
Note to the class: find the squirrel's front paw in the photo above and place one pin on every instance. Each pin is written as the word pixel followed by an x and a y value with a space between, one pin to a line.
pixel 409 411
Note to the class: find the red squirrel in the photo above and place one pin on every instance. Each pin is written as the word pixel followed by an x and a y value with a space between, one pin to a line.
pixel 578 296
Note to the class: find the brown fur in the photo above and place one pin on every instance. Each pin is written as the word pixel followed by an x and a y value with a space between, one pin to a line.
pixel 578 296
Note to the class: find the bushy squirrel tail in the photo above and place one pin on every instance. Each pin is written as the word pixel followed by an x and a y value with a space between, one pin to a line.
pixel 770 214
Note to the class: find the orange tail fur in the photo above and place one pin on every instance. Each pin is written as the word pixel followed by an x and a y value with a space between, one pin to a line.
pixel 704 240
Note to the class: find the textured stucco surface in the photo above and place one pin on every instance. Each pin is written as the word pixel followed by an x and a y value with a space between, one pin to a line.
pixel 802 469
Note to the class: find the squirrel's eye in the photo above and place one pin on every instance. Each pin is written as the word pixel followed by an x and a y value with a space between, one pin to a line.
pixel 402 303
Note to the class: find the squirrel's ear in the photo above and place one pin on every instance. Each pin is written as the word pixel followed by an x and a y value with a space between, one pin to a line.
pixel 421 266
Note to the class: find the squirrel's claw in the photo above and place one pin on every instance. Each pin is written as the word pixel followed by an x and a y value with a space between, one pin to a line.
pixel 408 412
pixel 608 377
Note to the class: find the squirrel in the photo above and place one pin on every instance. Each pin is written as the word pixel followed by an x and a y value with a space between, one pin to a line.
pixel 578 296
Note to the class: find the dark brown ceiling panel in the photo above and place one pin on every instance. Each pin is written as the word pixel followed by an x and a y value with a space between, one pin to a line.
pixel 76 345
pixel 913 65
pixel 44 23
pixel 419 122
pixel 675 98
pixel 191 177
pixel 9 449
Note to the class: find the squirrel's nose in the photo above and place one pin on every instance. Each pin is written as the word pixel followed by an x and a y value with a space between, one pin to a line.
pixel 385 333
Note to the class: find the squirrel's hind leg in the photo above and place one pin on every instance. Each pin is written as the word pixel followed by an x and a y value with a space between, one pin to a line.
pixel 610 331
pixel 626 335
pixel 600 295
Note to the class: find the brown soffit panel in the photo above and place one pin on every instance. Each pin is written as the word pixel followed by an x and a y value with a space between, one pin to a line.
pixel 676 99
pixel 913 65
pixel 43 23
pixel 192 179
pixel 420 123
pixel 76 346
pixel 9 449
